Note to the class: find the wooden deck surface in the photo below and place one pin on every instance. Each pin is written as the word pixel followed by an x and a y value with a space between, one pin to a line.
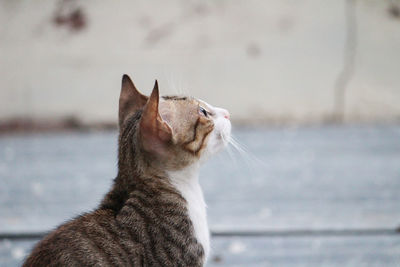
pixel 308 196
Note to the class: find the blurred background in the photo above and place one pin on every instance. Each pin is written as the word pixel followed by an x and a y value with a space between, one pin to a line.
pixel 313 88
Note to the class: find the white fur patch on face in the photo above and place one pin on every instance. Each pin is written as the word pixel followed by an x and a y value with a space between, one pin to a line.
pixel 219 137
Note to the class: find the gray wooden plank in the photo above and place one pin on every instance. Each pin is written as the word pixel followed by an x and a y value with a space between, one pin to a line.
pixel 306 251
pixel 273 251
pixel 332 177
pixel 12 253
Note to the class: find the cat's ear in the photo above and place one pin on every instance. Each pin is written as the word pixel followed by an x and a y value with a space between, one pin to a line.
pixel 154 131
pixel 130 99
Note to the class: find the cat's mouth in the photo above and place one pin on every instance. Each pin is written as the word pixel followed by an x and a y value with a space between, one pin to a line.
pixel 225 134
pixel 224 137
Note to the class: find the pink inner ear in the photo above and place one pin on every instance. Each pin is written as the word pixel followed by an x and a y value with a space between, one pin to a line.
pixel 155 132
pixel 153 145
pixel 155 137
pixel 164 132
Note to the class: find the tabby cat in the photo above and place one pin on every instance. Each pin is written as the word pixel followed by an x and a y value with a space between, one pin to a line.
pixel 154 214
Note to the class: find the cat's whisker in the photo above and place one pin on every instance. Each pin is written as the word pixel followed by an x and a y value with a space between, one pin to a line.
pixel 172 84
pixel 175 84
pixel 236 145
pixel 180 88
pixel 245 153
pixel 230 153
pixel 228 148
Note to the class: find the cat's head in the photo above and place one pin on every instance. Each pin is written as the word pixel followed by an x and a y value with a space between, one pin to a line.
pixel 172 131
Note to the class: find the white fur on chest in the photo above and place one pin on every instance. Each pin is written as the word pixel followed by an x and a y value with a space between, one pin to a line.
pixel 187 183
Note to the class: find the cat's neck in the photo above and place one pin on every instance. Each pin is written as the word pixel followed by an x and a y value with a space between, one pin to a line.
pixel 188 175
pixel 186 181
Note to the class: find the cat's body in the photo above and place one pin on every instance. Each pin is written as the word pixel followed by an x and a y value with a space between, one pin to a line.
pixel 151 228
pixel 155 214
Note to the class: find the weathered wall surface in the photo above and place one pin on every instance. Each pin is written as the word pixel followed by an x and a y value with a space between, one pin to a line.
pixel 263 60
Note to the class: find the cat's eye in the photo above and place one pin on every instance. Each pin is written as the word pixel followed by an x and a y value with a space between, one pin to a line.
pixel 203 111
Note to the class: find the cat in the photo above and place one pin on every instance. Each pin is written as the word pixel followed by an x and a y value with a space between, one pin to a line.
pixel 154 214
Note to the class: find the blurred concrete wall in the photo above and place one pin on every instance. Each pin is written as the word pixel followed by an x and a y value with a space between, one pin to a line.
pixel 269 61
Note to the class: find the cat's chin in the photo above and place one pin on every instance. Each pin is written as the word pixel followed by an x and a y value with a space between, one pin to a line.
pixel 217 143
pixel 225 135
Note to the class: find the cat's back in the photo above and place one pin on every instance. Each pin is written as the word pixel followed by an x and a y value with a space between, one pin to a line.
pixel 92 239
pixel 151 228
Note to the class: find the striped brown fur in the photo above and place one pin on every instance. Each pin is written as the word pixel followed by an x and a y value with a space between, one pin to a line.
pixel 196 144
pixel 143 220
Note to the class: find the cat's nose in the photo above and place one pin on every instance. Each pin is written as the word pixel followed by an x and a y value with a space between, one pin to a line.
pixel 226 114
